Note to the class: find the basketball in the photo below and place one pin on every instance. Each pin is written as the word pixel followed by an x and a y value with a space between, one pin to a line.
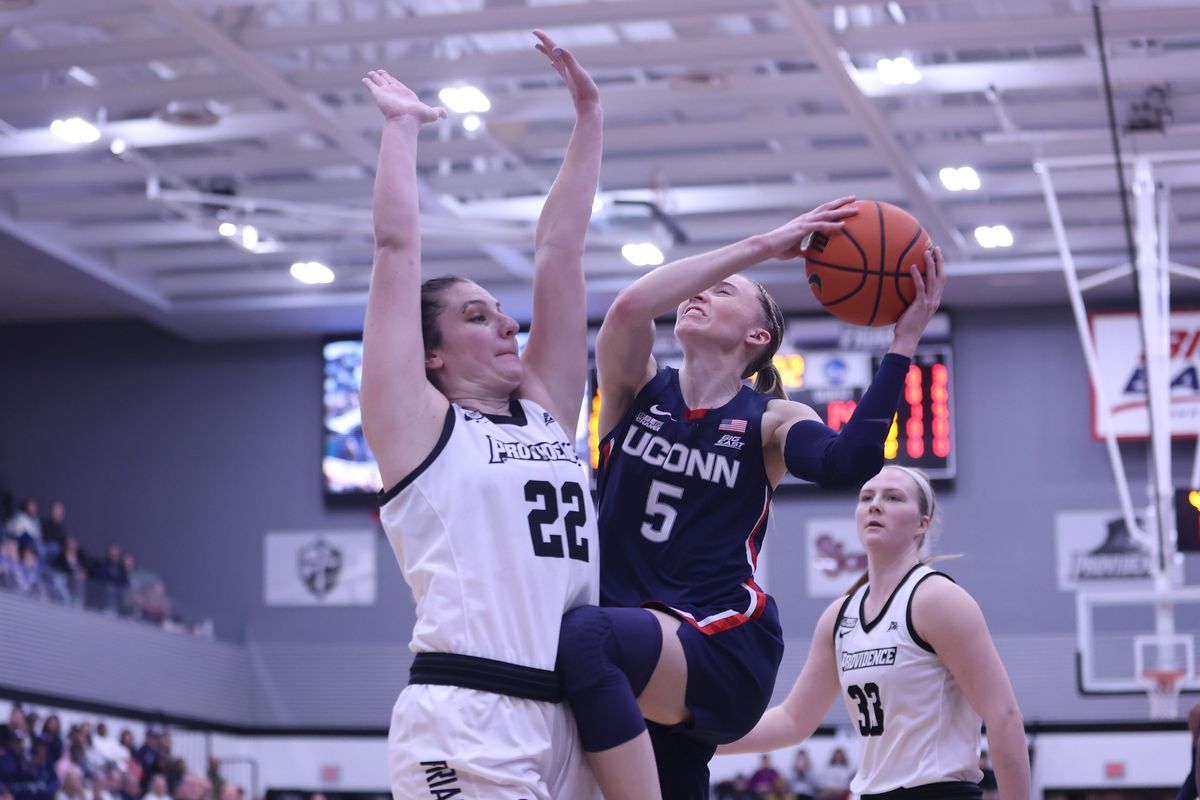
pixel 862 273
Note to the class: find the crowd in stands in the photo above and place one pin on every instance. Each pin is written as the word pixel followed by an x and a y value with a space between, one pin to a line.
pixel 802 782
pixel 40 761
pixel 41 558
pixel 806 782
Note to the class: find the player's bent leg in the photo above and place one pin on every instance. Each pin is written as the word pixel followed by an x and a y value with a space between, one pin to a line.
pixel 437 748
pixel 664 699
pixel 606 657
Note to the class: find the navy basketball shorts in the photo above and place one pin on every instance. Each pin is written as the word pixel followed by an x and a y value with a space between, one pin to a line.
pixel 731 677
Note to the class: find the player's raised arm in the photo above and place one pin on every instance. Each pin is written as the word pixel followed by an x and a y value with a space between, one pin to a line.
pixel 555 357
pixel 815 452
pixel 401 408
pixel 623 348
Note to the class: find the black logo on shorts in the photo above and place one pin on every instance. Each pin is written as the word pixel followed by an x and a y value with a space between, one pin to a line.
pixel 441 780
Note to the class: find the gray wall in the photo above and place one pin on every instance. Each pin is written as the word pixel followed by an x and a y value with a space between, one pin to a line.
pixel 188 453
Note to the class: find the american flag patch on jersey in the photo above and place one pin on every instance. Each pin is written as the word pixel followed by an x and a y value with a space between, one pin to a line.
pixel 732 425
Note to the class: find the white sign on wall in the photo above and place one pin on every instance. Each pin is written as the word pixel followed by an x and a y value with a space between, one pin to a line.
pixel 1123 377
pixel 1096 551
pixel 835 558
pixel 319 568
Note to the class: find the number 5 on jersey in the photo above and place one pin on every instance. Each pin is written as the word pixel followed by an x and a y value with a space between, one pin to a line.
pixel 660 515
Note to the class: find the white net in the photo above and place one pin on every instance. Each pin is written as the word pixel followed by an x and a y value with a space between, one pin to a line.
pixel 1162 687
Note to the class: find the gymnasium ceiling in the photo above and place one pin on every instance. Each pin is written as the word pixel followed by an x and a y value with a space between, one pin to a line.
pixel 730 115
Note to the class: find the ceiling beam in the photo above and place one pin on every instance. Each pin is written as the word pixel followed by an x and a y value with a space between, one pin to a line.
pixel 321 118
pixel 915 185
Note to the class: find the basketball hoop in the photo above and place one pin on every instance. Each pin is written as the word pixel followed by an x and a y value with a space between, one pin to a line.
pixel 1162 686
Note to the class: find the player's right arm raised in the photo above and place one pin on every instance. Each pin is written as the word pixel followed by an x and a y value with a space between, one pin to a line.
pixel 401 408
pixel 624 343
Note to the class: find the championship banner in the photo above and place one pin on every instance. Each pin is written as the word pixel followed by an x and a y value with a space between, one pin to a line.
pixel 319 568
pixel 835 556
pixel 1096 551
pixel 1122 375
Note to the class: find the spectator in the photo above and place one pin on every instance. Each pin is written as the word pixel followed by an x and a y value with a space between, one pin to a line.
pixel 12 758
pixel 72 785
pixel 52 736
pixel 804 784
pixel 18 725
pixel 834 780
pixel 29 572
pixel 158 789
pixel 127 742
pixel 779 791
pixel 763 779
pixel 106 749
pixel 231 791
pixel 111 578
pixel 194 787
pixel 10 563
pixel 5 794
pixel 25 524
pixel 104 783
pixel 75 757
pixel 40 778
pixel 215 780
pixel 131 787
pixel 71 571
pixel 54 531
pixel 149 756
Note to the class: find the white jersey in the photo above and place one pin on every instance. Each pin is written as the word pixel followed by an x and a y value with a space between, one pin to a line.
pixel 496 535
pixel 916 726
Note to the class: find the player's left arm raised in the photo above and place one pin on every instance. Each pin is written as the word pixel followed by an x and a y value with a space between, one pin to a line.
pixel 853 455
pixel 952 623
pixel 555 357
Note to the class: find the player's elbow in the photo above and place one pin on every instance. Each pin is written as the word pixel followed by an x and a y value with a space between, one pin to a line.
pixel 1007 718
pixel 628 308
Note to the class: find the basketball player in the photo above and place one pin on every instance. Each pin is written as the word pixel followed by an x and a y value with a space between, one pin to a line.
pixel 486 507
pixel 910 654
pixel 689 459
pixel 1190 788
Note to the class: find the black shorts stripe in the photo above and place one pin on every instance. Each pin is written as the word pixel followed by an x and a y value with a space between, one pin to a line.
pixel 947 790
pixel 485 675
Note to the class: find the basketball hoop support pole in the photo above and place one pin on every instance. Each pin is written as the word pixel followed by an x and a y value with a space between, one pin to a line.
pixel 1089 347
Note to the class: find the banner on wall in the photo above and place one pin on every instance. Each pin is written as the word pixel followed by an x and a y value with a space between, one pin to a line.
pixel 1122 374
pixel 835 556
pixel 319 568
pixel 1096 551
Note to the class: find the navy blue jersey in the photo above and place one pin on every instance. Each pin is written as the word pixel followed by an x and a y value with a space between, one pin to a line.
pixel 684 499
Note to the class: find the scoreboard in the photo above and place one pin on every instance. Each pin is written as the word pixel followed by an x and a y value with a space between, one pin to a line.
pixel 828 365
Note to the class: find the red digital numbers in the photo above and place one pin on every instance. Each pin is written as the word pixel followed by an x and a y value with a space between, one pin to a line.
pixel 839 412
pixel 939 393
pixel 914 429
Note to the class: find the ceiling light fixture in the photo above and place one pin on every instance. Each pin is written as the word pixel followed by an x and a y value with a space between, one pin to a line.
pixel 642 254
pixel 75 130
pixel 959 179
pixel 311 272
pixel 993 236
pixel 464 100
pixel 897 71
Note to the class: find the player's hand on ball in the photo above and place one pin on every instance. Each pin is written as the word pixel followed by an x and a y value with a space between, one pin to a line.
pixel 786 241
pixel 928 291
